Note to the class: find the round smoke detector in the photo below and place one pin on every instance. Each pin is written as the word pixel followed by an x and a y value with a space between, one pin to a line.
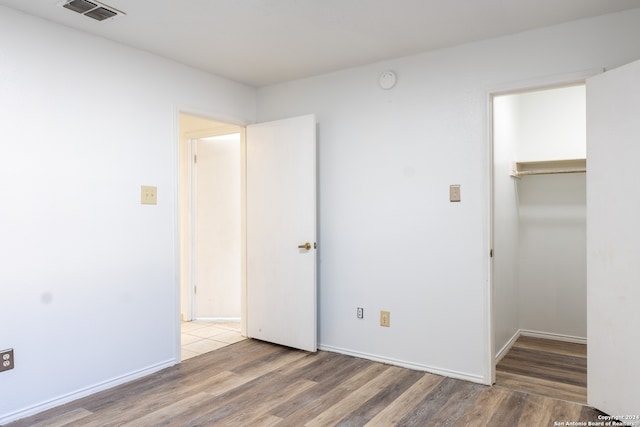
pixel 387 79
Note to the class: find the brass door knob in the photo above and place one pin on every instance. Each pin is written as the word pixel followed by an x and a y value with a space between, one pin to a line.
pixel 306 246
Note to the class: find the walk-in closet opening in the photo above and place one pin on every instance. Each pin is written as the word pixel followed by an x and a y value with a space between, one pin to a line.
pixel 539 241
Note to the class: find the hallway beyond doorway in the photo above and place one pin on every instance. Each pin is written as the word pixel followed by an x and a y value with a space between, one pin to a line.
pixel 199 336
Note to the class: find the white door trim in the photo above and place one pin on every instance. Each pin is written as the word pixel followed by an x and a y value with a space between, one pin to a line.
pixel 192 251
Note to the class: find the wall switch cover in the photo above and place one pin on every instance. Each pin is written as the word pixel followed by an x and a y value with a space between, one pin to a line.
pixel 385 318
pixel 149 195
pixel 454 193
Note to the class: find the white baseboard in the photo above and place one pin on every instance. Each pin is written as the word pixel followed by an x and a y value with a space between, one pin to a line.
pixel 409 365
pixel 552 336
pixel 505 349
pixel 61 400
pixel 537 334
pixel 218 319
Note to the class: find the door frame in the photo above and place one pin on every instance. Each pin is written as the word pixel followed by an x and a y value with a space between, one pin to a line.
pixel 184 223
pixel 537 84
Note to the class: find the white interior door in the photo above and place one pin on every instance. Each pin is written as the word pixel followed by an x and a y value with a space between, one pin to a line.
pixel 613 241
pixel 281 217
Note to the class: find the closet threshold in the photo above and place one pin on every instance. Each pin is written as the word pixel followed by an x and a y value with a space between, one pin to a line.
pixel 546 167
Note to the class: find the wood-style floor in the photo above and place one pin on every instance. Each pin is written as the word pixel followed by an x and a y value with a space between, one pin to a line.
pixel 546 367
pixel 252 383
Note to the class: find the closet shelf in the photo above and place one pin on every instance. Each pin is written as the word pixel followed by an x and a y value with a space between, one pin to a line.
pixel 549 167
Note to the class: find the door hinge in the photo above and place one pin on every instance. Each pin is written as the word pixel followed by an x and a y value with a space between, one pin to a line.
pixel 195 289
pixel 195 158
pixel 490 253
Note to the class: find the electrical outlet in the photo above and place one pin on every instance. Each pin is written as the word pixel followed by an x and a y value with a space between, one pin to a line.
pixel 148 195
pixel 360 313
pixel 385 318
pixel 6 360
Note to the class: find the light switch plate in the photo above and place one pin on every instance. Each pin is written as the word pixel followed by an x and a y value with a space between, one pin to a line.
pixel 454 193
pixel 149 195
pixel 385 318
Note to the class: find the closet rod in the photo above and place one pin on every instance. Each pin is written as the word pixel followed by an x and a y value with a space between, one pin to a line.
pixel 545 172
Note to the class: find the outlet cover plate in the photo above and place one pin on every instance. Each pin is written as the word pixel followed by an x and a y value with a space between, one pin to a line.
pixel 6 360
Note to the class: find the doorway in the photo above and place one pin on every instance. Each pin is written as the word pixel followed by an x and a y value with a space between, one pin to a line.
pixel 539 231
pixel 211 234
pixel 281 243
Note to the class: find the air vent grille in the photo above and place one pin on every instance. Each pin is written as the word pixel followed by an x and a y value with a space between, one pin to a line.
pixel 95 10
pixel 101 13
pixel 80 6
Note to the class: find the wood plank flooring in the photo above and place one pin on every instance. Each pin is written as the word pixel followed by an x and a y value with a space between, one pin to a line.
pixel 252 383
pixel 546 367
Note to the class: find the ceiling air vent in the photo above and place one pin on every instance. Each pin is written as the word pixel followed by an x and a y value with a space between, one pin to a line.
pixel 80 6
pixel 100 13
pixel 95 10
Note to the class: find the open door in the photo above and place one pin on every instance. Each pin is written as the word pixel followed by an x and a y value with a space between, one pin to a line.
pixel 613 242
pixel 281 232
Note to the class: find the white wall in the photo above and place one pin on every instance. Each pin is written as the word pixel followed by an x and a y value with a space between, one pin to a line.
pixel 218 228
pixel 552 278
pixel 388 236
pixel 506 220
pixel 552 267
pixel 552 124
pixel 89 276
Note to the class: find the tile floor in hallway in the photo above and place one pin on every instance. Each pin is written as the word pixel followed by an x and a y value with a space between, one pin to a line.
pixel 199 336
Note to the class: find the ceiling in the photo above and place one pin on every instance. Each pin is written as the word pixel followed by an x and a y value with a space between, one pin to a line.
pixel 262 42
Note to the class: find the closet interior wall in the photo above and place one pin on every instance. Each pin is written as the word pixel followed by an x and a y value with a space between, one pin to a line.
pixel 539 270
